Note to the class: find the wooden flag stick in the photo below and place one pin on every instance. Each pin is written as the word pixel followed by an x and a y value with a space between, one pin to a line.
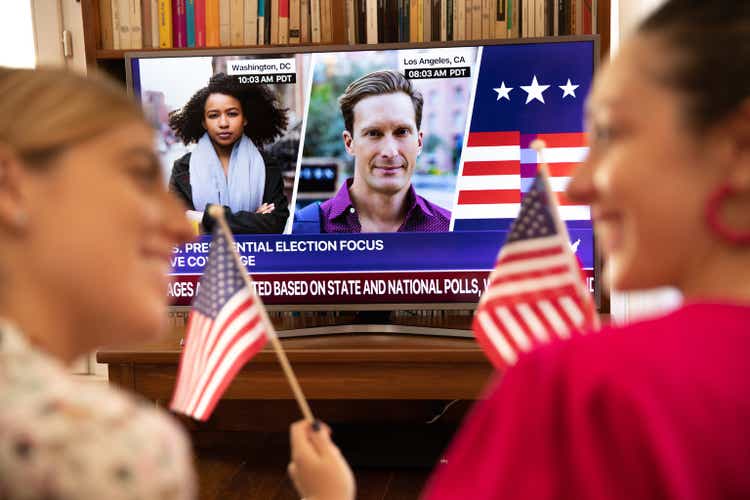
pixel 217 213
pixel 538 145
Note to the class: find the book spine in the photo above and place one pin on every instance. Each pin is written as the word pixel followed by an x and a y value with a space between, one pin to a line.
pixel 295 31
pixel 179 27
pixel 539 23
pixel 468 6
pixel 212 23
pixel 443 20
pixel 420 20
pixel 500 21
pixel 485 15
pixel 251 22
pixel 326 21
pixel 588 16
pixel 190 23
pixel 427 20
pixel 514 19
pixel 122 12
pixel 165 24
pixel 267 21
pixel 261 22
pixel 154 7
pixel 105 25
pixel 136 31
pixel 304 21
pixel 315 21
pixel 237 22
pixel 459 19
pixel 284 22
pixel 476 19
pixel 200 23
pixel 146 22
pixel 274 22
pixel 225 39
pixel 351 30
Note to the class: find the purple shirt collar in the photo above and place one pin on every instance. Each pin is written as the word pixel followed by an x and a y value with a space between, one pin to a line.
pixel 340 215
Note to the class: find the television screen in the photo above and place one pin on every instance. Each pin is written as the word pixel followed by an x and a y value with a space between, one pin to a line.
pixel 357 177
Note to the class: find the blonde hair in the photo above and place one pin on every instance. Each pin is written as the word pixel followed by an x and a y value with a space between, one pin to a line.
pixel 44 111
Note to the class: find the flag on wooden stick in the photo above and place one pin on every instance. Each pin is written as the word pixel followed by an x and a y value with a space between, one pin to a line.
pixel 537 292
pixel 225 329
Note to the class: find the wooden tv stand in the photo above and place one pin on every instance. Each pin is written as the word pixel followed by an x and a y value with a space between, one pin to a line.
pixel 371 362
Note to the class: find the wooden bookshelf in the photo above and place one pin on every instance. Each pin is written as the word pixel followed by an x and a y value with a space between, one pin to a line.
pixel 112 61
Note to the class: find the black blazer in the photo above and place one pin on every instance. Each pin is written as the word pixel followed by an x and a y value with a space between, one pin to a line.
pixel 239 222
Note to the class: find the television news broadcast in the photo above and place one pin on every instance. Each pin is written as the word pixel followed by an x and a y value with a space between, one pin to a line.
pixel 385 176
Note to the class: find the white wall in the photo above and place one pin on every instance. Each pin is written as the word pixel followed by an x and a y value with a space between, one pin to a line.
pixel 625 307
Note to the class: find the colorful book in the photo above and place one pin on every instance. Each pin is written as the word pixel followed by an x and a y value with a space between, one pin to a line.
pixel 179 27
pixel 212 23
pixel 237 22
pixel 200 23
pixel 190 23
pixel 165 24
pixel 283 22
pixel 225 33
pixel 251 22
pixel 261 22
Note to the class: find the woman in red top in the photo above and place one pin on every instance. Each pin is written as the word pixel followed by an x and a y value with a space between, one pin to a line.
pixel 658 409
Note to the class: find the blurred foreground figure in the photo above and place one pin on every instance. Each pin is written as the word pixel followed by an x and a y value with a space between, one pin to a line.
pixel 658 409
pixel 86 232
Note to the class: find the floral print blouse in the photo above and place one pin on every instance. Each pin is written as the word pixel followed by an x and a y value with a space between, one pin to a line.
pixel 63 439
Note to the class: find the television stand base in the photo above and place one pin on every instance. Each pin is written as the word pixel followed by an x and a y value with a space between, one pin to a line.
pixel 376 328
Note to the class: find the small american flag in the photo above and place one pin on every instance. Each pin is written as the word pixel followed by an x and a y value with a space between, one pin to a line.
pixel 225 329
pixel 536 291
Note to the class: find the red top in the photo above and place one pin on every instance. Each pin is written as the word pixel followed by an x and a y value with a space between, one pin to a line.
pixel 654 410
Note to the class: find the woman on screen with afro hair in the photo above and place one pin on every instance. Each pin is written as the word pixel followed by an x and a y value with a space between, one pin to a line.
pixel 230 123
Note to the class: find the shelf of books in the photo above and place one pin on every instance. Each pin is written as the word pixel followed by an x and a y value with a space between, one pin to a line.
pixel 114 27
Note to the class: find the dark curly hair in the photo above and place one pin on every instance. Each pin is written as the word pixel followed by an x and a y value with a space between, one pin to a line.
pixel 266 120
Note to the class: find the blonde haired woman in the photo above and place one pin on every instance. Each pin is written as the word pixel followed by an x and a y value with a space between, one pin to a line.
pixel 86 231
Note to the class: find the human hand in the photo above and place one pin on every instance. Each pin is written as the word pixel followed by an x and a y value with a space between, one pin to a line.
pixel 265 208
pixel 318 469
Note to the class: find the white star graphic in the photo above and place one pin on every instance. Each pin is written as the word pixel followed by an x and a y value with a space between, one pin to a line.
pixel 503 91
pixel 569 89
pixel 534 91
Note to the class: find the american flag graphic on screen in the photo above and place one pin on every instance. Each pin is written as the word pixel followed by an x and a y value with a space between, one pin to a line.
pixel 225 329
pixel 523 93
pixel 536 292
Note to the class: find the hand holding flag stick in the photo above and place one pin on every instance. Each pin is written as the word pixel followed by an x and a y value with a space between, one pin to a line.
pixel 228 325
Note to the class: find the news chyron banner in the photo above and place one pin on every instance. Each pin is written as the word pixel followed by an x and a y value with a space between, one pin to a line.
pixel 438 137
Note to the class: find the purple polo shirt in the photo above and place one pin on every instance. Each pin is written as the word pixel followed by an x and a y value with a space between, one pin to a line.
pixel 340 216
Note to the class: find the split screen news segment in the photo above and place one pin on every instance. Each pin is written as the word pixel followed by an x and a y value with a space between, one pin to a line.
pixel 385 176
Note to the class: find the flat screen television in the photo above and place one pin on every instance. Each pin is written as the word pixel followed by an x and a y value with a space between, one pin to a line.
pixel 483 103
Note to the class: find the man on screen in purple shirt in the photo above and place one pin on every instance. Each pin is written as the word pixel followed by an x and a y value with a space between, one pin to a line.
pixel 382 118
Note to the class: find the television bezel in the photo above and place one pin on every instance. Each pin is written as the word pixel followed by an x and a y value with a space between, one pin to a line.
pixel 601 301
